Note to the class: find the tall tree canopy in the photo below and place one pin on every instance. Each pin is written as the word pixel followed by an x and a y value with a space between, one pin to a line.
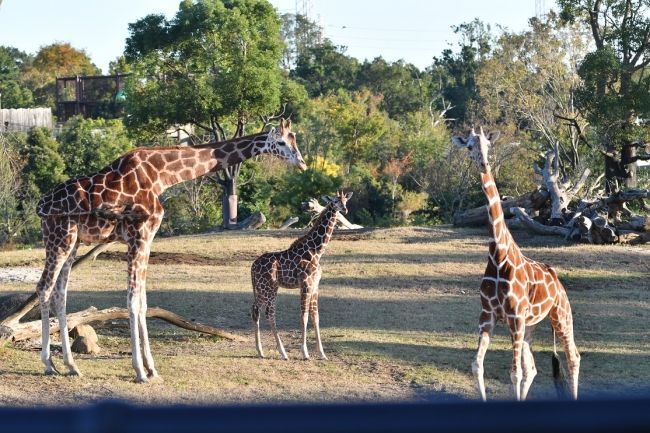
pixel 215 62
pixel 13 93
pixel 616 83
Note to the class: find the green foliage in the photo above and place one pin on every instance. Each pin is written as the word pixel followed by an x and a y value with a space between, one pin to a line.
pixel 404 89
pixel 324 69
pixel 88 145
pixel 216 61
pixel 296 187
pixel 44 166
pixel 14 93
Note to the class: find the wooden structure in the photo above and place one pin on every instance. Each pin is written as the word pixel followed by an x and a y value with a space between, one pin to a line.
pixel 89 96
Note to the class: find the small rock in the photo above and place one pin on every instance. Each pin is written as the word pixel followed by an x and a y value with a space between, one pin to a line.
pixel 86 331
pixel 84 345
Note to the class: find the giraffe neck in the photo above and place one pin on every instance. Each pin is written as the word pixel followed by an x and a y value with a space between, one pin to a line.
pixel 320 235
pixel 501 237
pixel 180 164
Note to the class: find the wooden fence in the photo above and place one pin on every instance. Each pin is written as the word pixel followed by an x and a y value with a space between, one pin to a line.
pixel 23 119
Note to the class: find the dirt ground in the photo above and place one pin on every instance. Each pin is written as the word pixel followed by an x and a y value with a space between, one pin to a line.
pixel 398 309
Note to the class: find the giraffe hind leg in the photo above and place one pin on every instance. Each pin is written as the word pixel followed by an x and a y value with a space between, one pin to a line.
pixel 60 300
pixel 255 314
pixel 57 254
pixel 528 362
pixel 562 323
pixel 270 316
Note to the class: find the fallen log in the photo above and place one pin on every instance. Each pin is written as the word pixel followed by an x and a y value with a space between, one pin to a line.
pixel 288 223
pixel 316 208
pixel 478 217
pixel 536 227
pixel 16 331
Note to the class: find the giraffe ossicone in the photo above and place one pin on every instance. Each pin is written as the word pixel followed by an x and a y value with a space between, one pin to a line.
pixel 297 267
pixel 120 203
pixel 516 289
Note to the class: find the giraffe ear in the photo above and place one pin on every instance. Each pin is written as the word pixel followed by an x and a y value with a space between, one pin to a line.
pixel 459 141
pixel 348 195
pixel 493 135
pixel 326 198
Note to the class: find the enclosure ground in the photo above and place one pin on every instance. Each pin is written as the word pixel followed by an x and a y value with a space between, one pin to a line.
pixel 398 311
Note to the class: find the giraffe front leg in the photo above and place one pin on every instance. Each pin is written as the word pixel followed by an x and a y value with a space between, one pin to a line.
pixel 486 325
pixel 137 261
pixel 305 297
pixel 517 329
pixel 313 310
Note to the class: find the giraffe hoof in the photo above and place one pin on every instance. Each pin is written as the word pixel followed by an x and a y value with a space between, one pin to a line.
pixel 323 357
pixel 143 379
pixel 74 373
pixel 154 378
pixel 51 372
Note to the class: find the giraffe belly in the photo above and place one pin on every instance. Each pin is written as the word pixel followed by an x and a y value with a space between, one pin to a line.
pixel 97 230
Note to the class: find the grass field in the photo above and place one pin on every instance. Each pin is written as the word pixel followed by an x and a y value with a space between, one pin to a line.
pixel 398 311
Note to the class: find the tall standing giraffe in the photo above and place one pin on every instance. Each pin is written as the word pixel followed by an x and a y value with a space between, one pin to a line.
pixel 516 289
pixel 120 203
pixel 296 267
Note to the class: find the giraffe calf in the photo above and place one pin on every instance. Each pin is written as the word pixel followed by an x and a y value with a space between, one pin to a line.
pixel 297 267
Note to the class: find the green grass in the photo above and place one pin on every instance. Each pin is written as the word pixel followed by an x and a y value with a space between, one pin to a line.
pixel 398 309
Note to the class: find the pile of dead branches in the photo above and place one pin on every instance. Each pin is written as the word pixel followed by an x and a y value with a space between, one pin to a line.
pixel 579 211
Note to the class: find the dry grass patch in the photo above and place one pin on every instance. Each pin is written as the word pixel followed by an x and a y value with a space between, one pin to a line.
pixel 398 315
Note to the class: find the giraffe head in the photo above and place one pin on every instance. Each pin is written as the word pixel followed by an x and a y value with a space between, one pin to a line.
pixel 338 202
pixel 478 146
pixel 282 143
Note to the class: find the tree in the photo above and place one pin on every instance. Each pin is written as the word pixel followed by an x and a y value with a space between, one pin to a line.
pixel 404 87
pixel 453 74
pixel 12 93
pixel 214 66
pixel 88 145
pixel 616 84
pixel 51 61
pixel 44 167
pixel 325 68
pixel 299 34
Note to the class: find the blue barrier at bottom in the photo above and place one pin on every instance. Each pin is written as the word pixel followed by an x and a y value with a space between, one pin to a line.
pixel 624 415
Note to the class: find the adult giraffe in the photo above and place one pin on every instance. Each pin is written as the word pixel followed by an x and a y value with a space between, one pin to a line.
pixel 516 289
pixel 120 203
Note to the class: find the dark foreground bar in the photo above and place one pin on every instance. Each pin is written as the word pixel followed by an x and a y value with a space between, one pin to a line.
pixel 624 415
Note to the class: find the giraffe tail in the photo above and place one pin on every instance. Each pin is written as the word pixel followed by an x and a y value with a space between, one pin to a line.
pixel 559 378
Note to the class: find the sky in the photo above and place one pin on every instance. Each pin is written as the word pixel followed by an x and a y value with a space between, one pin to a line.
pixel 412 30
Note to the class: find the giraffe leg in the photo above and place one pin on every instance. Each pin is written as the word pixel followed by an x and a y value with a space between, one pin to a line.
pixel 147 358
pixel 60 300
pixel 136 257
pixel 255 314
pixel 528 362
pixel 486 325
pixel 313 310
pixel 562 322
pixel 270 316
pixel 305 297
pixel 517 328
pixel 57 253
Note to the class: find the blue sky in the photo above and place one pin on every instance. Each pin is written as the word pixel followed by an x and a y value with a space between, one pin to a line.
pixel 413 30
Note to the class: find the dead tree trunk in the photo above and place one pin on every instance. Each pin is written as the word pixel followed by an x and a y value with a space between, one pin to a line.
pixel 477 217
pixel 13 330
